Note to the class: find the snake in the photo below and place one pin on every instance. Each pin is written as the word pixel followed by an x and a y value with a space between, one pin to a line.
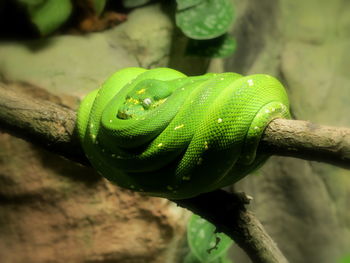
pixel 166 134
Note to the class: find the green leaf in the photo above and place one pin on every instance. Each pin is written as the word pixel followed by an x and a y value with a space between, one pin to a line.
pixel 99 5
pixel 134 3
pixel 48 15
pixel 205 244
pixel 206 20
pixel 183 4
pixel 219 47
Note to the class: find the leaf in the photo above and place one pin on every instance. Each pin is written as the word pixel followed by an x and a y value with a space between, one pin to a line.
pixel 219 47
pixel 183 4
pixel 134 3
pixel 99 5
pixel 206 20
pixel 205 244
pixel 48 15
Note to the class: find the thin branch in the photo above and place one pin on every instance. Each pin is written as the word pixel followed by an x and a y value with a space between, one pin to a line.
pixel 52 126
pixel 305 140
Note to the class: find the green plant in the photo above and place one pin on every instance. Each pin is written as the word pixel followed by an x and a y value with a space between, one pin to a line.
pixel 206 246
pixel 206 23
pixel 204 19
pixel 49 15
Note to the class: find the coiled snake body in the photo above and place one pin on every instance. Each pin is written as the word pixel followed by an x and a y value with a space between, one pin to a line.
pixel 160 132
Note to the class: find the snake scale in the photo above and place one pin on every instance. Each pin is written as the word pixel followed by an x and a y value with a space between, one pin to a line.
pixel 163 133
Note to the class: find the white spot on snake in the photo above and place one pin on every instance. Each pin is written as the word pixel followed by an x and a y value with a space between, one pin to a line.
pixel 199 162
pixel 273 109
pixel 179 126
pixel 267 111
pixel 182 88
pixel 186 178
pixel 206 147
pixel 91 125
pixel 132 186
pixel 221 78
pixel 113 155
pixel 250 82
pixel 110 120
pixel 169 187
pixel 219 120
pixel 93 136
pixel 147 101
pixel 256 128
pixel 103 150
pixel 160 145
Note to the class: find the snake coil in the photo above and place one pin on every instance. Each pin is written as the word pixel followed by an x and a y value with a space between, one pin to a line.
pixel 160 132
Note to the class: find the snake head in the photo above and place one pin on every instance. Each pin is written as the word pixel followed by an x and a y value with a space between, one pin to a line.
pixel 147 95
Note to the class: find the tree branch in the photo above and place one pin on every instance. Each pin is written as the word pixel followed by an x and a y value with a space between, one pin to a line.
pixel 53 127
pixel 305 140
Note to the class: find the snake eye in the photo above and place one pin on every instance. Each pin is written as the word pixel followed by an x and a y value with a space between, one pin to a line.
pixel 147 102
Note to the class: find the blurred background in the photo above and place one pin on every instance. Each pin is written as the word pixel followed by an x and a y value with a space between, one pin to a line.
pixel 54 210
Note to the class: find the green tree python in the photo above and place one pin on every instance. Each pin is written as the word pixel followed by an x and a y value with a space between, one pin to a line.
pixel 166 134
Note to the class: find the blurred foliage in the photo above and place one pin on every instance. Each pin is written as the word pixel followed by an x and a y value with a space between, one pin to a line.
pixel 206 246
pixel 47 15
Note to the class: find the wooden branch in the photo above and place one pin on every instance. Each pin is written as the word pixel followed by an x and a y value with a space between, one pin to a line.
pixel 42 122
pixel 53 127
pixel 305 140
